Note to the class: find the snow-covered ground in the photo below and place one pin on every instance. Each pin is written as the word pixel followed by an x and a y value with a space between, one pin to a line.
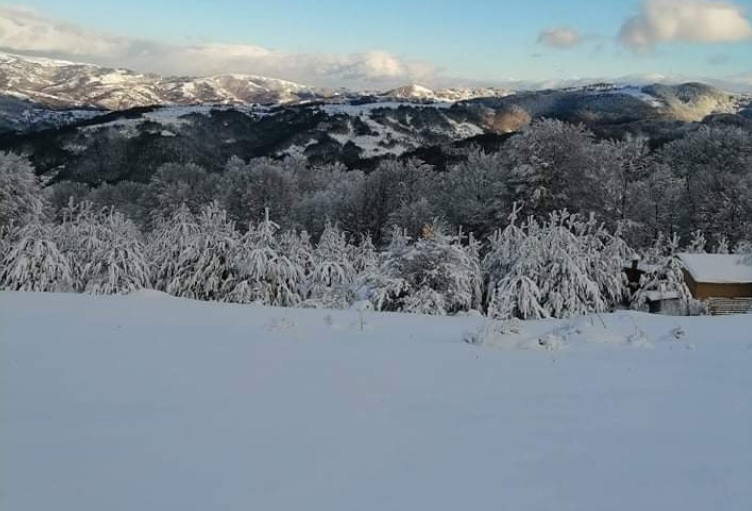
pixel 148 402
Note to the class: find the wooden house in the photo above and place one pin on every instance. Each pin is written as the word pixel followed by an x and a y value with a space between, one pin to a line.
pixel 722 281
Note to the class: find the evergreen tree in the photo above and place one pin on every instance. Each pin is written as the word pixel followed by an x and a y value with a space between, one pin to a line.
pixel 434 275
pixel 21 199
pixel 561 268
pixel 208 272
pixel 266 273
pixel 332 275
pixel 697 243
pixel 169 249
pixel 105 250
pixel 33 262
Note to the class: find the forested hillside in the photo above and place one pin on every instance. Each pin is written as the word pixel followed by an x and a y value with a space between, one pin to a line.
pixel 541 226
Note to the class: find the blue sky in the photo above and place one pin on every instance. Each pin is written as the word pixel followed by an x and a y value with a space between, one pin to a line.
pixel 449 41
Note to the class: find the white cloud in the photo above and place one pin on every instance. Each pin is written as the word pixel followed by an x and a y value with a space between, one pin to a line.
pixel 30 32
pixel 560 37
pixel 23 28
pixel 702 21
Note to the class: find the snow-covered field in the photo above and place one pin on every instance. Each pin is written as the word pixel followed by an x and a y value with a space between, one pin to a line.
pixel 147 402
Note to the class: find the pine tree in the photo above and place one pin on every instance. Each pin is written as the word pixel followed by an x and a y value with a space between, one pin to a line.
pixel 383 283
pixel 105 250
pixel 723 246
pixel 331 277
pixel 363 255
pixel 266 273
pixel 697 243
pixel 561 268
pixel 434 275
pixel 194 255
pixel 21 199
pixel 207 269
pixel 33 262
pixel 169 248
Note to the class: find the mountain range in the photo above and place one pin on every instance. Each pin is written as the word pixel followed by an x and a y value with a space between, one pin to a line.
pixel 74 120
pixel 56 85
pixel 68 84
pixel 64 84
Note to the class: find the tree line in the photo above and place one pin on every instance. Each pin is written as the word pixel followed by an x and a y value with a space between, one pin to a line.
pixel 541 228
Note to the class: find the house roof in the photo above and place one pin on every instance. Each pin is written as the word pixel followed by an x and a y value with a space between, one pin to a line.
pixel 658 296
pixel 717 268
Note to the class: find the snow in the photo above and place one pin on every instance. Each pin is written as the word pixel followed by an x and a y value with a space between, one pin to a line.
pixel 176 116
pixel 464 129
pixel 10 57
pixel 384 138
pixel 413 91
pixel 117 76
pixel 40 116
pixel 655 296
pixel 638 93
pixel 367 108
pixel 152 402
pixel 419 92
pixel 717 268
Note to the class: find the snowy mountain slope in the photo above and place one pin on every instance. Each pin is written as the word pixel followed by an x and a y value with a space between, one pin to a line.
pixel 419 92
pixel 19 115
pixel 210 134
pixel 68 84
pixel 59 83
pixel 695 101
pixel 609 104
pixel 150 402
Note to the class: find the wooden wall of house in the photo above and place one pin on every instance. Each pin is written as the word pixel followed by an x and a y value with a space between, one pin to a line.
pixel 703 290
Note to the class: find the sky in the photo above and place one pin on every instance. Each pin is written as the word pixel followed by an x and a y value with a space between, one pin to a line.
pixel 391 42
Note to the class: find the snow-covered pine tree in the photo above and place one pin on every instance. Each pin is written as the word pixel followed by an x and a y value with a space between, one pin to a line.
pixel 167 249
pixel 21 199
pixel 205 269
pixel 744 248
pixel 382 283
pixel 516 296
pixel 363 255
pixel 266 273
pixel 504 245
pixel 331 277
pixel 697 243
pixel 4 242
pixel 604 254
pixel 723 246
pixel 561 268
pixel 474 268
pixel 193 254
pixel 33 262
pixel 435 275
pixel 567 288
pixel 299 250
pixel 105 249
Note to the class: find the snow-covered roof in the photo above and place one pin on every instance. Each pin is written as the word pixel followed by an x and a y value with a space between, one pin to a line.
pixel 657 296
pixel 717 268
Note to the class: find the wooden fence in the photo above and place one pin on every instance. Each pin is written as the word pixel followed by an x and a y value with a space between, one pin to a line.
pixel 723 306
